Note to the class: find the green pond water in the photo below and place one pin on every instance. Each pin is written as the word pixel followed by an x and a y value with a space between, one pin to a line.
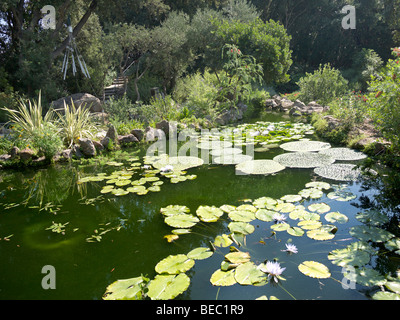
pixel 134 242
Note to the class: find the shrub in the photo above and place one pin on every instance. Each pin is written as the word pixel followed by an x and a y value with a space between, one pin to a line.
pixel 324 85
pixel 47 141
pixel 385 100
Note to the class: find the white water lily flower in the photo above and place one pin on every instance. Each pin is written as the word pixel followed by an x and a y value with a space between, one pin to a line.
pixel 273 269
pixel 279 218
pixel 255 134
pixel 265 132
pixel 167 168
pixel 291 248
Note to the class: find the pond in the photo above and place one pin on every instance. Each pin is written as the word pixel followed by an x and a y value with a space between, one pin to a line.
pixel 63 217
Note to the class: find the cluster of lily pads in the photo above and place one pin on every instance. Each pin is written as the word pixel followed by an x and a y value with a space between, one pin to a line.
pixel 140 178
pixel 237 267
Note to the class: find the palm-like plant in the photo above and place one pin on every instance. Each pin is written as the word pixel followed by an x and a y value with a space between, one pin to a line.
pixel 28 119
pixel 75 123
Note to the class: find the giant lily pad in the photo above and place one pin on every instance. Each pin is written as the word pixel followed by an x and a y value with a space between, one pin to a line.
pixel 167 287
pixel 248 274
pixel 333 217
pixel 314 269
pixel 259 167
pixel 223 278
pixel 179 163
pixel 225 152
pixel 174 264
pixel 305 146
pixel 209 213
pixel 181 221
pixel 345 154
pixel 127 289
pixel 303 160
pixel 340 172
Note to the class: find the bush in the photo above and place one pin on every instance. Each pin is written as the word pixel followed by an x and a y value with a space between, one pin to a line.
pixel 385 100
pixel 324 85
pixel 46 141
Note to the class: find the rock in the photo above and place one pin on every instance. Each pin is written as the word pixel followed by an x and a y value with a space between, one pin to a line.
pixel 26 154
pixel 130 138
pixel 87 147
pixel 67 154
pixel 112 133
pixel 286 104
pixel 76 152
pixel 98 145
pixel 41 161
pixel 79 99
pixel 14 153
pixel 105 142
pixel 332 122
pixel 151 134
pixel 164 126
pixel 138 133
pixel 5 157
pixel 271 103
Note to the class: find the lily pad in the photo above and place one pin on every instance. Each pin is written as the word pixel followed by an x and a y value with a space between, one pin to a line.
pixel 366 277
pixel 345 154
pixel 265 215
pixel 355 254
pixel 225 152
pixel 167 287
pixel 172 210
pixel 223 241
pixel 303 160
pixel 227 208
pixel 223 278
pixel 372 217
pixel 232 159
pixel 264 202
pixel 174 264
pixel 127 289
pixel 310 224
pixel 385 295
pixel 368 233
pixel 181 221
pixel 314 269
pixel 136 189
pixel 333 217
pixel 320 234
pixel 200 253
pixel 209 213
pixel 179 163
pixel 341 195
pixel 238 257
pixel 241 227
pixel 259 167
pixel 305 146
pixel 340 172
pixel 319 207
pixel 280 227
pixel 285 207
pixel 248 274
pixel 312 193
pixel 292 198
pixel 241 215
pixel 295 231
pixel 318 185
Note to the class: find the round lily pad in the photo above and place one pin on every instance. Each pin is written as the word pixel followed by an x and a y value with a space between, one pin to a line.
pixel 314 269
pixel 241 227
pixel 265 215
pixel 318 185
pixel 232 159
pixel 174 209
pixel 179 163
pixel 355 254
pixel 167 287
pixel 303 160
pixel 305 146
pixel 319 207
pixel 174 264
pixel 248 274
pixel 333 217
pixel 223 278
pixel 241 215
pixel 369 233
pixel 339 172
pixel 341 195
pixel 292 198
pixel 181 221
pixel 345 154
pixel 259 167
pixel 200 253
pixel 209 213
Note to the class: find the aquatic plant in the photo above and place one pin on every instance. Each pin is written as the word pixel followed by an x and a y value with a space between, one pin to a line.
pixel 259 167
pixel 303 160
pixel 344 154
pixel 305 146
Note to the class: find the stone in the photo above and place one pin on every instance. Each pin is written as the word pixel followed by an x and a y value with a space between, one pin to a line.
pixel 87 147
pixel 164 126
pixel 26 154
pixel 151 134
pixel 138 133
pixel 98 145
pixel 105 142
pixel 112 133
pixel 14 153
pixel 332 122
pixel 5 157
pixel 271 103
pixel 67 154
pixel 76 152
pixel 79 99
pixel 286 104
pixel 130 138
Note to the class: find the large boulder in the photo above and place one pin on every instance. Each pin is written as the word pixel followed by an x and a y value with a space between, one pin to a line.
pixel 112 133
pixel 130 138
pixel 79 99
pixel 87 147
pixel 26 154
pixel 152 134
pixel 138 133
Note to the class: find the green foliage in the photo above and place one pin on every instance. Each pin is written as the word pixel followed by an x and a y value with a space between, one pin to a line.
pixel 267 42
pixel 47 141
pixel 75 124
pixel 385 100
pixel 324 85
